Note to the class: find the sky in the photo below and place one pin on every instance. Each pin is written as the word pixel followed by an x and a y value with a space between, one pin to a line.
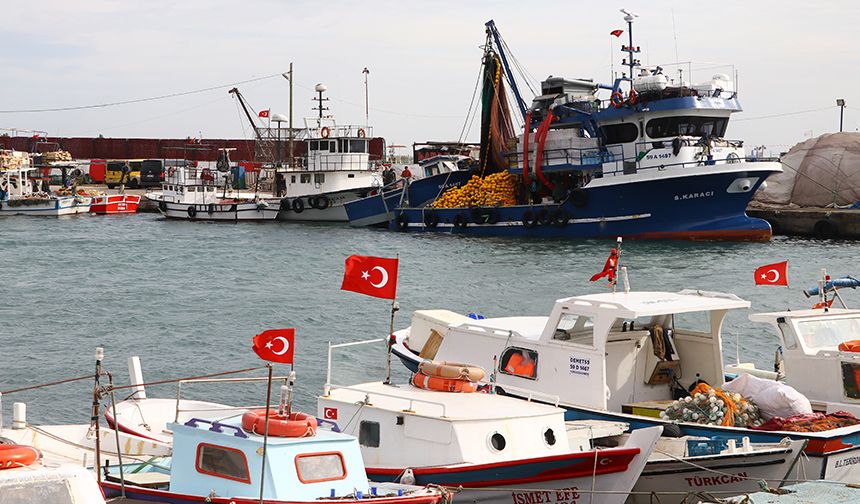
pixel 793 60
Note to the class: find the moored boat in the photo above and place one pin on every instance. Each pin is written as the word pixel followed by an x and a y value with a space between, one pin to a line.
pixel 20 194
pixel 115 203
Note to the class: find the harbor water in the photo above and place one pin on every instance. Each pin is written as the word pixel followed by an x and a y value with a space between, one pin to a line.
pixel 187 297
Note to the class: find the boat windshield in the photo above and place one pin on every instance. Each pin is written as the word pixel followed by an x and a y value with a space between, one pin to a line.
pixel 828 334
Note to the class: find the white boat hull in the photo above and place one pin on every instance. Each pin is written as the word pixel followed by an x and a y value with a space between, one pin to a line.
pixel 63 205
pixel 219 212
pixel 334 210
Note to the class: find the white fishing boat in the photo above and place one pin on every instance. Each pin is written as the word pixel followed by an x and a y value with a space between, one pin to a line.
pixel 494 448
pixel 336 169
pixel 35 482
pixel 620 356
pixel 20 194
pixel 191 193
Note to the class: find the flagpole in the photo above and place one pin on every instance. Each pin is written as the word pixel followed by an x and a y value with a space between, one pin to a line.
pixel 617 264
pixel 394 308
pixel 266 431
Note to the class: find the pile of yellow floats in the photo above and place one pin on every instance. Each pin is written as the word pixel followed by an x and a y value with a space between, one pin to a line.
pixel 498 189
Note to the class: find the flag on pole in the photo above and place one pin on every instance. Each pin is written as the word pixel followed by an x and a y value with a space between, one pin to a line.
pixel 608 268
pixel 275 345
pixel 372 276
pixel 264 113
pixel 772 274
pixel 617 33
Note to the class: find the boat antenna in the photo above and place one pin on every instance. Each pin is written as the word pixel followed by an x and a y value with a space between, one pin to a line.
pixel 630 49
pixel 320 89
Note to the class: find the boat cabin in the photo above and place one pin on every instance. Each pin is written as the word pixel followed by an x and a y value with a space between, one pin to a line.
pixel 405 426
pixel 221 458
pixel 608 352
pixel 814 364
pixel 192 185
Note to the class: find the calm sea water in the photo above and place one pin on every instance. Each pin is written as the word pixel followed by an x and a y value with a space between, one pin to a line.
pixel 188 297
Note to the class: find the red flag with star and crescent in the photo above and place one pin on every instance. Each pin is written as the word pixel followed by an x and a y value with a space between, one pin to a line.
pixel 772 274
pixel 275 345
pixel 372 276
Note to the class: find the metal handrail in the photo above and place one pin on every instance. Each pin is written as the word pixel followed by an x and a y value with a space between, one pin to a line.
pixel 327 386
pixel 217 380
pixel 411 401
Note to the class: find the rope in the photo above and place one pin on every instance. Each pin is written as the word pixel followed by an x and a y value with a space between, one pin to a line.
pixel 174 380
pixel 49 384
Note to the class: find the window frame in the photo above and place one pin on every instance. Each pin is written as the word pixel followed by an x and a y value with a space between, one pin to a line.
pixel 200 446
pixel 503 363
pixel 319 454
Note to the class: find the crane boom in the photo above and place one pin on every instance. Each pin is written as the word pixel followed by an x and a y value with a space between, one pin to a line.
pixel 491 26
pixel 235 92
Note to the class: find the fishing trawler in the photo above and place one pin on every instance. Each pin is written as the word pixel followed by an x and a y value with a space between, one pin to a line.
pixel 643 157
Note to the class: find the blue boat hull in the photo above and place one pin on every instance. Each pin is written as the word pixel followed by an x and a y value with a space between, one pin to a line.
pixel 699 206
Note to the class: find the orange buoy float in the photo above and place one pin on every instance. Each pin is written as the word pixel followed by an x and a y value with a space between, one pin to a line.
pixel 454 370
pixel 295 425
pixel 361 133
pixel 438 384
pixel 17 455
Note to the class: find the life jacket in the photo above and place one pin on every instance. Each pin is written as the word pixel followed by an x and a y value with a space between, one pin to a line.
pixel 518 365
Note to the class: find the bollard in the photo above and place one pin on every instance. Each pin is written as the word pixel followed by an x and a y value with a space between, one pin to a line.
pixel 19 415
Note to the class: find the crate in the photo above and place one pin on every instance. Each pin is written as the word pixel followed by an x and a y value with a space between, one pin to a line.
pixel 701 447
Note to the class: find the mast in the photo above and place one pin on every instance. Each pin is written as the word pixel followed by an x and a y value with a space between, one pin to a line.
pixel 320 89
pixel 630 50
pixel 491 27
pixel 290 162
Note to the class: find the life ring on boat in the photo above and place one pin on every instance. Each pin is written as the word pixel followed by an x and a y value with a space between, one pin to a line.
pixel 211 208
pixel 579 198
pixel 361 133
pixel 321 202
pixel 298 205
pixel 13 455
pixel 633 97
pixel 402 222
pixel 460 221
pixel 617 99
pixel 431 220
pixel 325 132
pixel 850 346
pixel 438 384
pixel 560 218
pixel 453 370
pixel 296 425
pixel 192 212
pixel 529 220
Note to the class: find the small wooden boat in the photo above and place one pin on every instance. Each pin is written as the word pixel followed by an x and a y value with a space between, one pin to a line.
pixel 114 203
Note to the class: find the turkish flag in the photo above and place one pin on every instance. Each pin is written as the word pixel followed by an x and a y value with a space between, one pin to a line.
pixel 608 268
pixel 276 345
pixel 264 114
pixel 373 276
pixel 772 274
pixel 330 413
pixel 617 33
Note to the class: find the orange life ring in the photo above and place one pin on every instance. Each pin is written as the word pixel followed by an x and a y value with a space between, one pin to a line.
pixel 617 99
pixel 17 456
pixel 850 346
pixel 454 370
pixel 633 97
pixel 296 425
pixel 361 133
pixel 325 132
pixel 423 381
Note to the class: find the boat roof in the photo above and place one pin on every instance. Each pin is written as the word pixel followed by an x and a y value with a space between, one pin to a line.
pixel 322 435
pixel 649 304
pixel 449 406
pixel 799 314
pixel 528 327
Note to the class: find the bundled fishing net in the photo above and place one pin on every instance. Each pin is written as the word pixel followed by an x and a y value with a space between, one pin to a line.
pixel 498 189
pixel 713 406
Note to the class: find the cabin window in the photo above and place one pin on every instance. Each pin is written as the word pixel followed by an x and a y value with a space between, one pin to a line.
pixel 358 146
pixel 332 147
pixel 787 335
pixel 828 333
pixel 497 441
pixel 292 179
pixel 306 178
pixel 698 322
pixel 192 189
pixel 620 133
pixel 577 329
pixel 350 175
pixel 222 462
pixel 549 437
pixel 686 125
pixel 520 362
pixel 319 178
pixel 316 467
pixel 851 380
pixel 368 434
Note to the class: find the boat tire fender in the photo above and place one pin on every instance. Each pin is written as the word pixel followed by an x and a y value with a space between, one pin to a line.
pixel 579 198
pixel 322 202
pixel 12 455
pixel 826 229
pixel 543 217
pixel 431 220
pixel 560 218
pixel 211 208
pixel 285 205
pixel 529 220
pixel 296 425
pixel 162 206
pixel 485 215
pixel 298 205
pixel 192 212
pixel 402 222
pixel 460 221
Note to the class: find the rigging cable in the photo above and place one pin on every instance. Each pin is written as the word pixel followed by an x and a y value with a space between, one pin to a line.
pixel 784 114
pixel 138 100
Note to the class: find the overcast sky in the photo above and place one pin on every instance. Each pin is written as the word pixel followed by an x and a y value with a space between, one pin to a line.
pixel 423 58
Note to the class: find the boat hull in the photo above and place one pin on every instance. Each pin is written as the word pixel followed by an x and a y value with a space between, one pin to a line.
pixel 698 205
pixel 227 211
pixel 333 211
pixel 62 205
pixel 115 204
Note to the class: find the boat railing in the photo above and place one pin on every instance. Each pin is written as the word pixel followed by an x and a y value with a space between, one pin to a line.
pixel 529 394
pixel 333 162
pixel 410 401
pixel 587 157
pixel 485 330
pixel 249 379
pixel 338 131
